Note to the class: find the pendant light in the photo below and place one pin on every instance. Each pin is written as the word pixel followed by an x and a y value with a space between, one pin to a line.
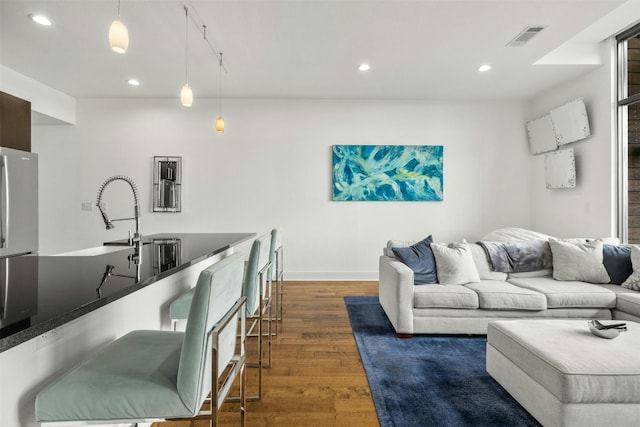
pixel 220 120
pixel 186 94
pixel 119 35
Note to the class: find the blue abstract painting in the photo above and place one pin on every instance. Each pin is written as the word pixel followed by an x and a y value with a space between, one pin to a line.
pixel 387 172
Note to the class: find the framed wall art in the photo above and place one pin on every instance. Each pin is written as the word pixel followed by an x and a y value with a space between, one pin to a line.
pixel 388 172
pixel 167 184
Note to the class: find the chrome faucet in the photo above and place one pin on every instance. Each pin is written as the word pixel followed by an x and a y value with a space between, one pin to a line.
pixel 137 238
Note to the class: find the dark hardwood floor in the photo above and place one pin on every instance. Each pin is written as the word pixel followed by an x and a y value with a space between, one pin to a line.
pixel 316 378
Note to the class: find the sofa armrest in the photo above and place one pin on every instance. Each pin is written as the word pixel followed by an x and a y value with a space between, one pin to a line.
pixel 396 293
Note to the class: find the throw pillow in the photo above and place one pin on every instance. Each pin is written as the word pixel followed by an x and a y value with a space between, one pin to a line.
pixel 633 281
pixel 617 261
pixel 454 263
pixel 419 258
pixel 578 261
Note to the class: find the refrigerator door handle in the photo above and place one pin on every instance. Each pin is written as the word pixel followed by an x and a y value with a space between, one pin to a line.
pixel 4 223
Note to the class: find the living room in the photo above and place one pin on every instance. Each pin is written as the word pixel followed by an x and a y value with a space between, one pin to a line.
pixel 272 165
pixel 277 154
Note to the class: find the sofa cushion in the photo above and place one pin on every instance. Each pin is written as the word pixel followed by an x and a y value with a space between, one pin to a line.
pixel 442 296
pixel 538 273
pixel 454 263
pixel 499 295
pixel 628 300
pixel 617 261
pixel 568 293
pixel 419 258
pixel 482 264
pixel 629 303
pixel 578 261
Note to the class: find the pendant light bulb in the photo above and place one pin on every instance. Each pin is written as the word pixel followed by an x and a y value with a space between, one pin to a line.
pixel 118 35
pixel 220 124
pixel 186 96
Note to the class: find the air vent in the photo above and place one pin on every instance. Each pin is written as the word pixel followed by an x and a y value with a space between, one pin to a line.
pixel 525 35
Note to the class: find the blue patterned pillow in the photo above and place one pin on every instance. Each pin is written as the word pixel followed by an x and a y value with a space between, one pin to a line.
pixel 617 261
pixel 419 258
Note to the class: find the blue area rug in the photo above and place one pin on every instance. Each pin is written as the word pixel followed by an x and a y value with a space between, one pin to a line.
pixel 429 380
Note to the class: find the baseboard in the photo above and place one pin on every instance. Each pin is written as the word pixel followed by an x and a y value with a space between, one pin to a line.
pixel 338 276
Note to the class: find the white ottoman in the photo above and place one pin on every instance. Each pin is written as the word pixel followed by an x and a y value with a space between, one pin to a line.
pixel 566 376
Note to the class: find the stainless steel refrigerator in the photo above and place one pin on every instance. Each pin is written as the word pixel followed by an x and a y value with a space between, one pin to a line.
pixel 18 236
pixel 18 202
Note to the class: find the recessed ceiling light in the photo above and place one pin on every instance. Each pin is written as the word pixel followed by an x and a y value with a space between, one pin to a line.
pixel 364 67
pixel 41 19
pixel 484 68
pixel 133 82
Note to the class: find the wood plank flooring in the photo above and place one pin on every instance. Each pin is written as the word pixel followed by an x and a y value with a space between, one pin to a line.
pixel 316 378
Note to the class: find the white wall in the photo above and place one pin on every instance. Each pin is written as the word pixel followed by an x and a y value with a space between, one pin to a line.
pixel 588 209
pixel 273 168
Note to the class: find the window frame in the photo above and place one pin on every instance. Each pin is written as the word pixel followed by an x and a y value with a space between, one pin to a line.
pixel 623 102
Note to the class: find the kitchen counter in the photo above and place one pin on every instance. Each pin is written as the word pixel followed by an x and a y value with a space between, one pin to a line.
pixel 45 292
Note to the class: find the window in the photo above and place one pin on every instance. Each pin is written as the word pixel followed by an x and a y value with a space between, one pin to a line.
pixel 629 134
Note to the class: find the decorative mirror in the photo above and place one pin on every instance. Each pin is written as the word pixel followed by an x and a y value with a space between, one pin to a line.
pixel 570 122
pixel 560 169
pixel 541 135
pixel 167 184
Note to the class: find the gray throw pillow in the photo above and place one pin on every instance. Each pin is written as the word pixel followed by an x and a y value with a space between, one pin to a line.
pixel 419 258
pixel 617 261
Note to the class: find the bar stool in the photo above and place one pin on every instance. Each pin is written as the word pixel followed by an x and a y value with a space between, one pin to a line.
pixel 257 290
pixel 162 375
pixel 276 274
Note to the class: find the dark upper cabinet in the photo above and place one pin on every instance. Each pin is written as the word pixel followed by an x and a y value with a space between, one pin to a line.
pixel 15 122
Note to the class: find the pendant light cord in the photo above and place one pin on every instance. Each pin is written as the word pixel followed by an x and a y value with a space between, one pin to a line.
pixel 220 83
pixel 118 10
pixel 186 42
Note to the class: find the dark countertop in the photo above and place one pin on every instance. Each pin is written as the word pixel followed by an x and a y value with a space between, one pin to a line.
pixel 44 292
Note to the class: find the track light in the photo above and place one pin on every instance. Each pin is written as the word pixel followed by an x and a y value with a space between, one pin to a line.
pixel 119 35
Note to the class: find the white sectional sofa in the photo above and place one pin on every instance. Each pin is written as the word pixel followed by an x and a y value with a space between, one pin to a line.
pixel 467 308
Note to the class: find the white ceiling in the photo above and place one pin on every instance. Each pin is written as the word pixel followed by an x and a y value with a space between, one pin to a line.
pixel 425 49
